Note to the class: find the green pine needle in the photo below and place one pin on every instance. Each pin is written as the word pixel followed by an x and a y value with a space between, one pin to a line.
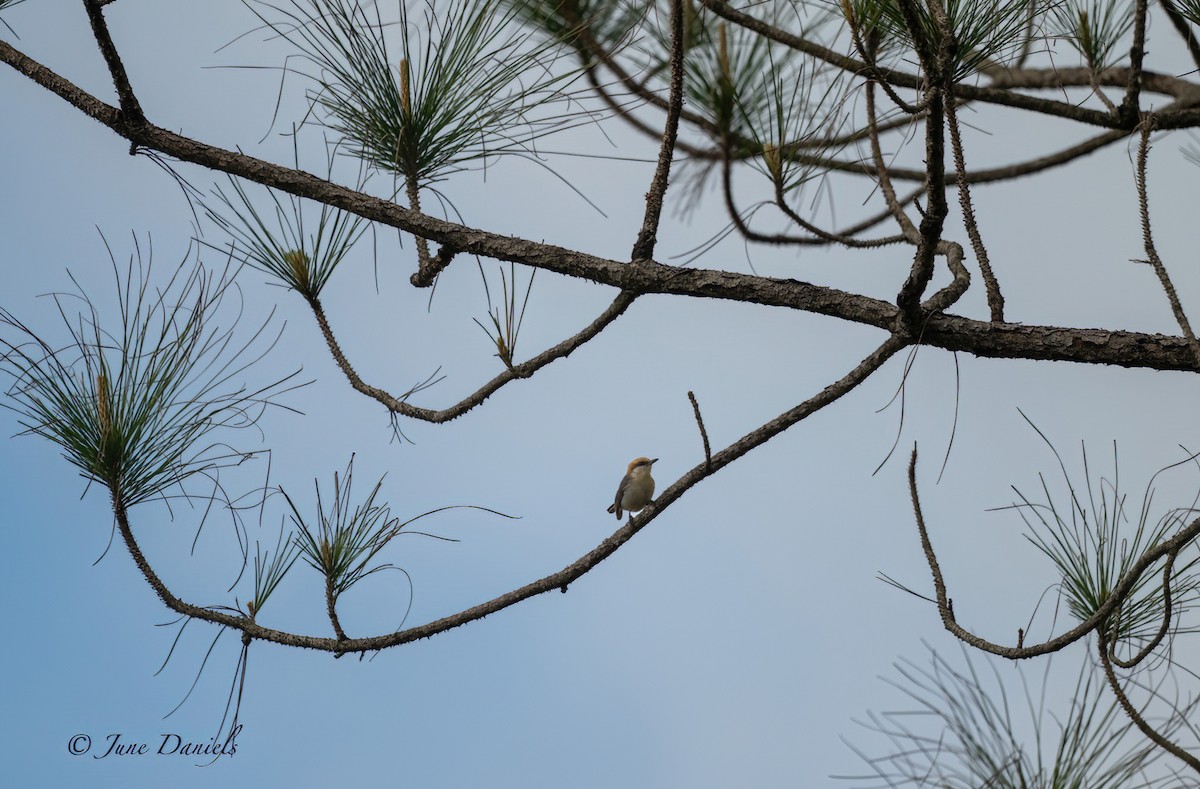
pixel 135 402
pixel 422 99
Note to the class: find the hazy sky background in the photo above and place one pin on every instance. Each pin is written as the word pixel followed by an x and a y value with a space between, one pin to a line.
pixel 731 643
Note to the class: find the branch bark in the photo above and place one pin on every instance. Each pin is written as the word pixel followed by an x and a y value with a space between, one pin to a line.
pixel 950 332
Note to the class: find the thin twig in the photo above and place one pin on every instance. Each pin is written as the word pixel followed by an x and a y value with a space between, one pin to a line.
pixel 1163 629
pixel 703 432
pixel 883 174
pixel 995 298
pixel 1148 240
pixel 397 405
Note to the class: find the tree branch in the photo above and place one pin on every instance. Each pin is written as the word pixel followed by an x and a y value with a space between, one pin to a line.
pixel 1120 591
pixel 558 580
pixel 1136 717
pixel 129 103
pixel 955 333
pixel 643 247
pixel 986 94
pixel 397 405
pixel 995 298
pixel 1148 241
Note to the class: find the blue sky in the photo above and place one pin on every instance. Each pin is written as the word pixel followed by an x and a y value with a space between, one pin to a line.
pixel 733 642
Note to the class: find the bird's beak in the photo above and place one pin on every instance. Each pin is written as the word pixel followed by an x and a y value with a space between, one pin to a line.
pixel 652 462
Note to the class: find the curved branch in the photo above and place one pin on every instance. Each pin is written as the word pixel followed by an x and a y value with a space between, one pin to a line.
pixel 397 405
pixel 1136 717
pixel 1120 591
pixel 846 236
pixel 559 580
pixel 1163 629
pixel 819 237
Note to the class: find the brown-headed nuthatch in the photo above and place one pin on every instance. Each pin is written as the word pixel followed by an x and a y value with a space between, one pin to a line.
pixel 636 489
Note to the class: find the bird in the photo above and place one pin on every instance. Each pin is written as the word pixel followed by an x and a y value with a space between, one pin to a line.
pixel 636 489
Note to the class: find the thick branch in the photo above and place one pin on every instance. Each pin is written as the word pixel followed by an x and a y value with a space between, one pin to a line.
pixel 937 67
pixel 1096 346
pixel 331 609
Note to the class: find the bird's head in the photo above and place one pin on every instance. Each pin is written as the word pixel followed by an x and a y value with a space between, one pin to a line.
pixel 643 464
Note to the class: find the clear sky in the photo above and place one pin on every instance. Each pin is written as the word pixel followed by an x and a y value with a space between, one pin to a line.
pixel 733 642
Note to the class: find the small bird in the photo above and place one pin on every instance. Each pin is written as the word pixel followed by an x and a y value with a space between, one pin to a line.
pixel 636 489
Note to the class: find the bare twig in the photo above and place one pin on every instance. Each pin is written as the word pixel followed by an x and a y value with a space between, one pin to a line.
pixel 1163 629
pixel 995 298
pixel 882 173
pixel 397 405
pixel 1148 240
pixel 703 432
